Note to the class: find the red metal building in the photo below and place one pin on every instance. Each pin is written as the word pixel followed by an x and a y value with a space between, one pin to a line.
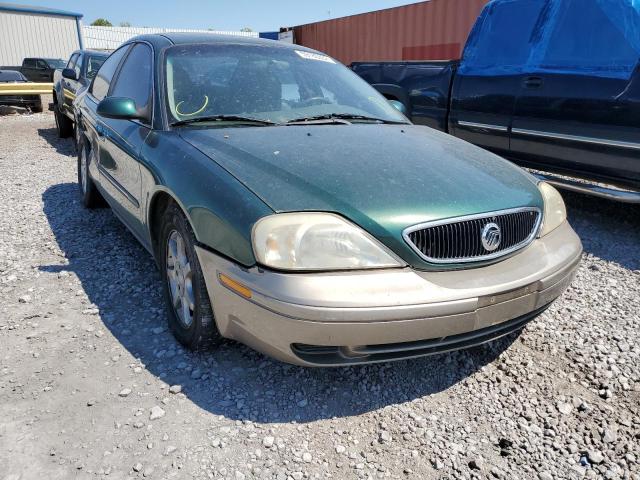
pixel 432 30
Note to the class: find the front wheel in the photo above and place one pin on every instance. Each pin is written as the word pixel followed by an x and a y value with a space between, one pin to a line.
pixel 64 125
pixel 190 314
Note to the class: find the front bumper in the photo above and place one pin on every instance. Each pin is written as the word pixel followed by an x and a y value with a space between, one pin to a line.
pixel 326 319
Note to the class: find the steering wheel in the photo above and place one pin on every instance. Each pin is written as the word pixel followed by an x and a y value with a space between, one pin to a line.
pixel 315 101
pixel 195 112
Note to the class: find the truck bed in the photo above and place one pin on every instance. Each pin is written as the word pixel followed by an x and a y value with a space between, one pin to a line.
pixel 423 86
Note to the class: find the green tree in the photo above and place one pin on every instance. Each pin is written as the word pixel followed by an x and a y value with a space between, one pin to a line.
pixel 124 24
pixel 102 22
pixel 246 29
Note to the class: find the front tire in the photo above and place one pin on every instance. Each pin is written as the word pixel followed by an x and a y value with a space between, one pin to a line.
pixel 91 198
pixel 64 125
pixel 191 317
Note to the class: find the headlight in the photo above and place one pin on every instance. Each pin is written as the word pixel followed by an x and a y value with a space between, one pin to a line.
pixel 317 241
pixel 554 210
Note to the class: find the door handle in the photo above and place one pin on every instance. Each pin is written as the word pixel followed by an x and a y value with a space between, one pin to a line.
pixel 533 82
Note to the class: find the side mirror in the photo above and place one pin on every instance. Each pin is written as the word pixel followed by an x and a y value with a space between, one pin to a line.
pixel 69 73
pixel 120 108
pixel 398 105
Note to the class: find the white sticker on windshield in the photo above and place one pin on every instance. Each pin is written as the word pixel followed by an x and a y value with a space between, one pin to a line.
pixel 314 56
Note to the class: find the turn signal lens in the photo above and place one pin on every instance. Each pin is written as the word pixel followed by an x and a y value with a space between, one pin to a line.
pixel 237 287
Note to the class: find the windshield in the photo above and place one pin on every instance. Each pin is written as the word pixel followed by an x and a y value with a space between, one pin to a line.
pixel 273 84
pixel 55 62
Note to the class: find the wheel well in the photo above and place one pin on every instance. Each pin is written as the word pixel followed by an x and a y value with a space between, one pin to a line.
pixel 159 204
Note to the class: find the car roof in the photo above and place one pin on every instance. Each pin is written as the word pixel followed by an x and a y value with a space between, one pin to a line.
pixel 182 38
pixel 106 53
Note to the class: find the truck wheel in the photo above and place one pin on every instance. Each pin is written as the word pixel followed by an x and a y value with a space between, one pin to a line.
pixel 91 198
pixel 37 107
pixel 64 125
pixel 190 314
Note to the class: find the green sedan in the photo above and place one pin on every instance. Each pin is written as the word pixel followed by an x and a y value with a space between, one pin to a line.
pixel 291 207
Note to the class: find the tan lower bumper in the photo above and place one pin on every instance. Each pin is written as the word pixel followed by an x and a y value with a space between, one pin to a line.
pixel 334 319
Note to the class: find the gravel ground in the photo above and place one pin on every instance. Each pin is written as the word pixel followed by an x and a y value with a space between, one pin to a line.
pixel 92 385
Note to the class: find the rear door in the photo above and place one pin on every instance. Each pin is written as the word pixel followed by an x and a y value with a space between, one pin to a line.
pixel 488 79
pixel 29 69
pixel 577 111
pixel 123 139
pixel 90 123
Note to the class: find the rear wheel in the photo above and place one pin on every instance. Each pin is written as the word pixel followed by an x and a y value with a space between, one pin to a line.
pixel 37 107
pixel 190 314
pixel 91 198
pixel 64 125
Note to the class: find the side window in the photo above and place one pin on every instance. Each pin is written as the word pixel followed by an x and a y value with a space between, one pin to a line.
pixel 503 35
pixel 575 46
pixel 29 63
pixel 42 64
pixel 78 65
pixel 93 65
pixel 134 79
pixel 100 85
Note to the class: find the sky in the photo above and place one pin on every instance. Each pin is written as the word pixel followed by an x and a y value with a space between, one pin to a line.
pixel 259 15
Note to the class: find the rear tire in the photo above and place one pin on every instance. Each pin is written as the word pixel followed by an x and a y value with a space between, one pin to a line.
pixel 64 125
pixel 191 317
pixel 91 198
pixel 37 107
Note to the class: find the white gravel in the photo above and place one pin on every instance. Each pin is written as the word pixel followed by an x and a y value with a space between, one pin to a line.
pixel 92 385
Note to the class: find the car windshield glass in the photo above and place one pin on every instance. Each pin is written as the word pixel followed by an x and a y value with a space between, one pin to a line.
pixel 56 62
pixel 269 83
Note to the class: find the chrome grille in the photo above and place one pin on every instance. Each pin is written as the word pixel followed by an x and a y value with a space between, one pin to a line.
pixel 459 239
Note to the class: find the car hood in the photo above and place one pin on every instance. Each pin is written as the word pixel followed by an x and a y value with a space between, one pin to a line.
pixel 382 177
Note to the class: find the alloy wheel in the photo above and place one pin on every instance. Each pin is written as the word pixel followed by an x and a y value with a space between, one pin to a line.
pixel 180 279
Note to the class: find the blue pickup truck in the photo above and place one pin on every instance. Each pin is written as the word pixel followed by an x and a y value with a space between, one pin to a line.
pixel 553 85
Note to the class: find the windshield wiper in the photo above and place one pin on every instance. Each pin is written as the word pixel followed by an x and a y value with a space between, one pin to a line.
pixel 222 118
pixel 340 116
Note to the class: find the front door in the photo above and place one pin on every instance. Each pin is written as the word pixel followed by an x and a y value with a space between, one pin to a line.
pixel 70 87
pixel 42 72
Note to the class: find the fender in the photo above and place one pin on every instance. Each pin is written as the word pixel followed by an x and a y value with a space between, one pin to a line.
pixel 219 208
